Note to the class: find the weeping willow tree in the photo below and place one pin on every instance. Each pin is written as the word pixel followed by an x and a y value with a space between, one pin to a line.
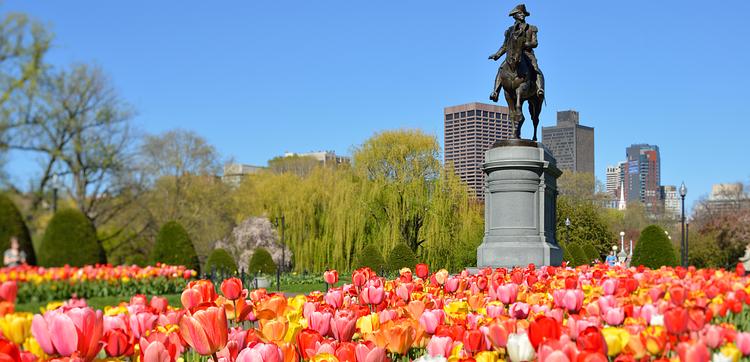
pixel 396 191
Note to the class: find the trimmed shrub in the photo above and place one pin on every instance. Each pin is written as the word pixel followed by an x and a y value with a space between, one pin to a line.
pixel 370 257
pixel 70 239
pixel 591 252
pixel 173 247
pixel 566 254
pixel 221 261
pixel 579 256
pixel 12 224
pixel 261 261
pixel 401 257
pixel 654 249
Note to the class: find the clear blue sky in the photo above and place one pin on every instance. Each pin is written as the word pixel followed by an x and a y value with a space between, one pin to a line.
pixel 258 78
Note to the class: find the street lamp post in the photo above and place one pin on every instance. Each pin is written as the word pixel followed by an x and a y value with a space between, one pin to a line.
pixel 622 240
pixel 55 187
pixel 567 230
pixel 282 224
pixel 683 192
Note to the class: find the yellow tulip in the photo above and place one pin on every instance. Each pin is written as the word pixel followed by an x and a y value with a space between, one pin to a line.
pixel 369 323
pixel 616 338
pixel 16 326
pixel 292 331
pixel 486 356
pixel 33 346
pixel 457 309
pixel 731 351
pixel 324 357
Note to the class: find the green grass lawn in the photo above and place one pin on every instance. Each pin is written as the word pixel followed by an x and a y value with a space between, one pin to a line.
pixel 96 303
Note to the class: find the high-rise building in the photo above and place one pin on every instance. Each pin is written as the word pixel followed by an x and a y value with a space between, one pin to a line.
pixel 642 179
pixel 672 202
pixel 470 130
pixel 614 179
pixel 571 143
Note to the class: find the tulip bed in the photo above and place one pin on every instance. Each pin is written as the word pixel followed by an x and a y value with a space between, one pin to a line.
pixel 527 314
pixel 38 284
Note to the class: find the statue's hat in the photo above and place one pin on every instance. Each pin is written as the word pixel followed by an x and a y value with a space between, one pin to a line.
pixel 520 8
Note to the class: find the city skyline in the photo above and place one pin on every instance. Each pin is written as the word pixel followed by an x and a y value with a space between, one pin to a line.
pixel 268 77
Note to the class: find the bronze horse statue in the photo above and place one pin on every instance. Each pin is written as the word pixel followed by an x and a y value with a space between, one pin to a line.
pixel 518 78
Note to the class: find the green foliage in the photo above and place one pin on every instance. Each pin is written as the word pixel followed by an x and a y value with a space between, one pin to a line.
pixel 12 224
pixel 70 239
pixel 705 252
pixel 220 260
pixel 261 261
pixel 579 256
pixel 591 252
pixel 401 256
pixel 566 254
pixel 397 191
pixel 587 224
pixel 174 247
pixel 370 257
pixel 654 249
pixel 299 165
pixel 63 289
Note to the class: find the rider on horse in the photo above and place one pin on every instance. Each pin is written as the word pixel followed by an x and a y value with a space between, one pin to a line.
pixel 526 34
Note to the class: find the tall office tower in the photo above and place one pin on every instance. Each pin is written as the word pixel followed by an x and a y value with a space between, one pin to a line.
pixel 671 201
pixel 470 130
pixel 614 179
pixel 571 143
pixel 643 175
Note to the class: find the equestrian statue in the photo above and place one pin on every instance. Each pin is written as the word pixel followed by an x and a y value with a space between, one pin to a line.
pixel 519 75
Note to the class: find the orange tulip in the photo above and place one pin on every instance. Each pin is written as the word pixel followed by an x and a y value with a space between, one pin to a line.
pixel 399 337
pixel 205 330
pixel 274 330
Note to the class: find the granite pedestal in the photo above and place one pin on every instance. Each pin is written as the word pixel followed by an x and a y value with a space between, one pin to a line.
pixel 520 206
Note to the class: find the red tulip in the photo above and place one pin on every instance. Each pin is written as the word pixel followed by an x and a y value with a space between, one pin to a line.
pixel 592 340
pixel 473 341
pixel 232 288
pixel 307 340
pixel 205 330
pixel 331 277
pixel 677 294
pixel 676 320
pixel 9 291
pixel 198 292
pixel 346 352
pixel 586 356
pixel 696 319
pixel 360 277
pixel 422 270
pixel 159 304
pixel 9 351
pixel 542 329
pixel 118 343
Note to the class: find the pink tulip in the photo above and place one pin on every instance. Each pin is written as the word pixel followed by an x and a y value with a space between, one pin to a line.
pixel 519 310
pixel 156 352
pixel 64 333
pixel 507 293
pixel 614 316
pixel 403 292
pixel 606 302
pixel 372 293
pixel 141 323
pixel 609 286
pixel 494 311
pixel 367 354
pixel 496 335
pixel 205 330
pixel 451 284
pixel 430 319
pixel 344 324
pixel 570 299
pixel 440 346
pixel 159 304
pixel 712 335
pixel 387 314
pixel 321 322
pixel 261 352
pixel 335 298
pixel 742 340
pixel 554 356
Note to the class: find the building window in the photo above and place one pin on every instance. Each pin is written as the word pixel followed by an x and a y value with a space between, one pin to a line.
pixel 470 113
pixel 448 116
pixel 463 114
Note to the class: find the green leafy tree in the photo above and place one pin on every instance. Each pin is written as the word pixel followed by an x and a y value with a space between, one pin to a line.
pixel 654 249
pixel 174 247
pixel 587 224
pixel 70 239
pixel 12 225
pixel 220 260
pixel 370 257
pixel 566 254
pixel 261 261
pixel 299 165
pixel 401 256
